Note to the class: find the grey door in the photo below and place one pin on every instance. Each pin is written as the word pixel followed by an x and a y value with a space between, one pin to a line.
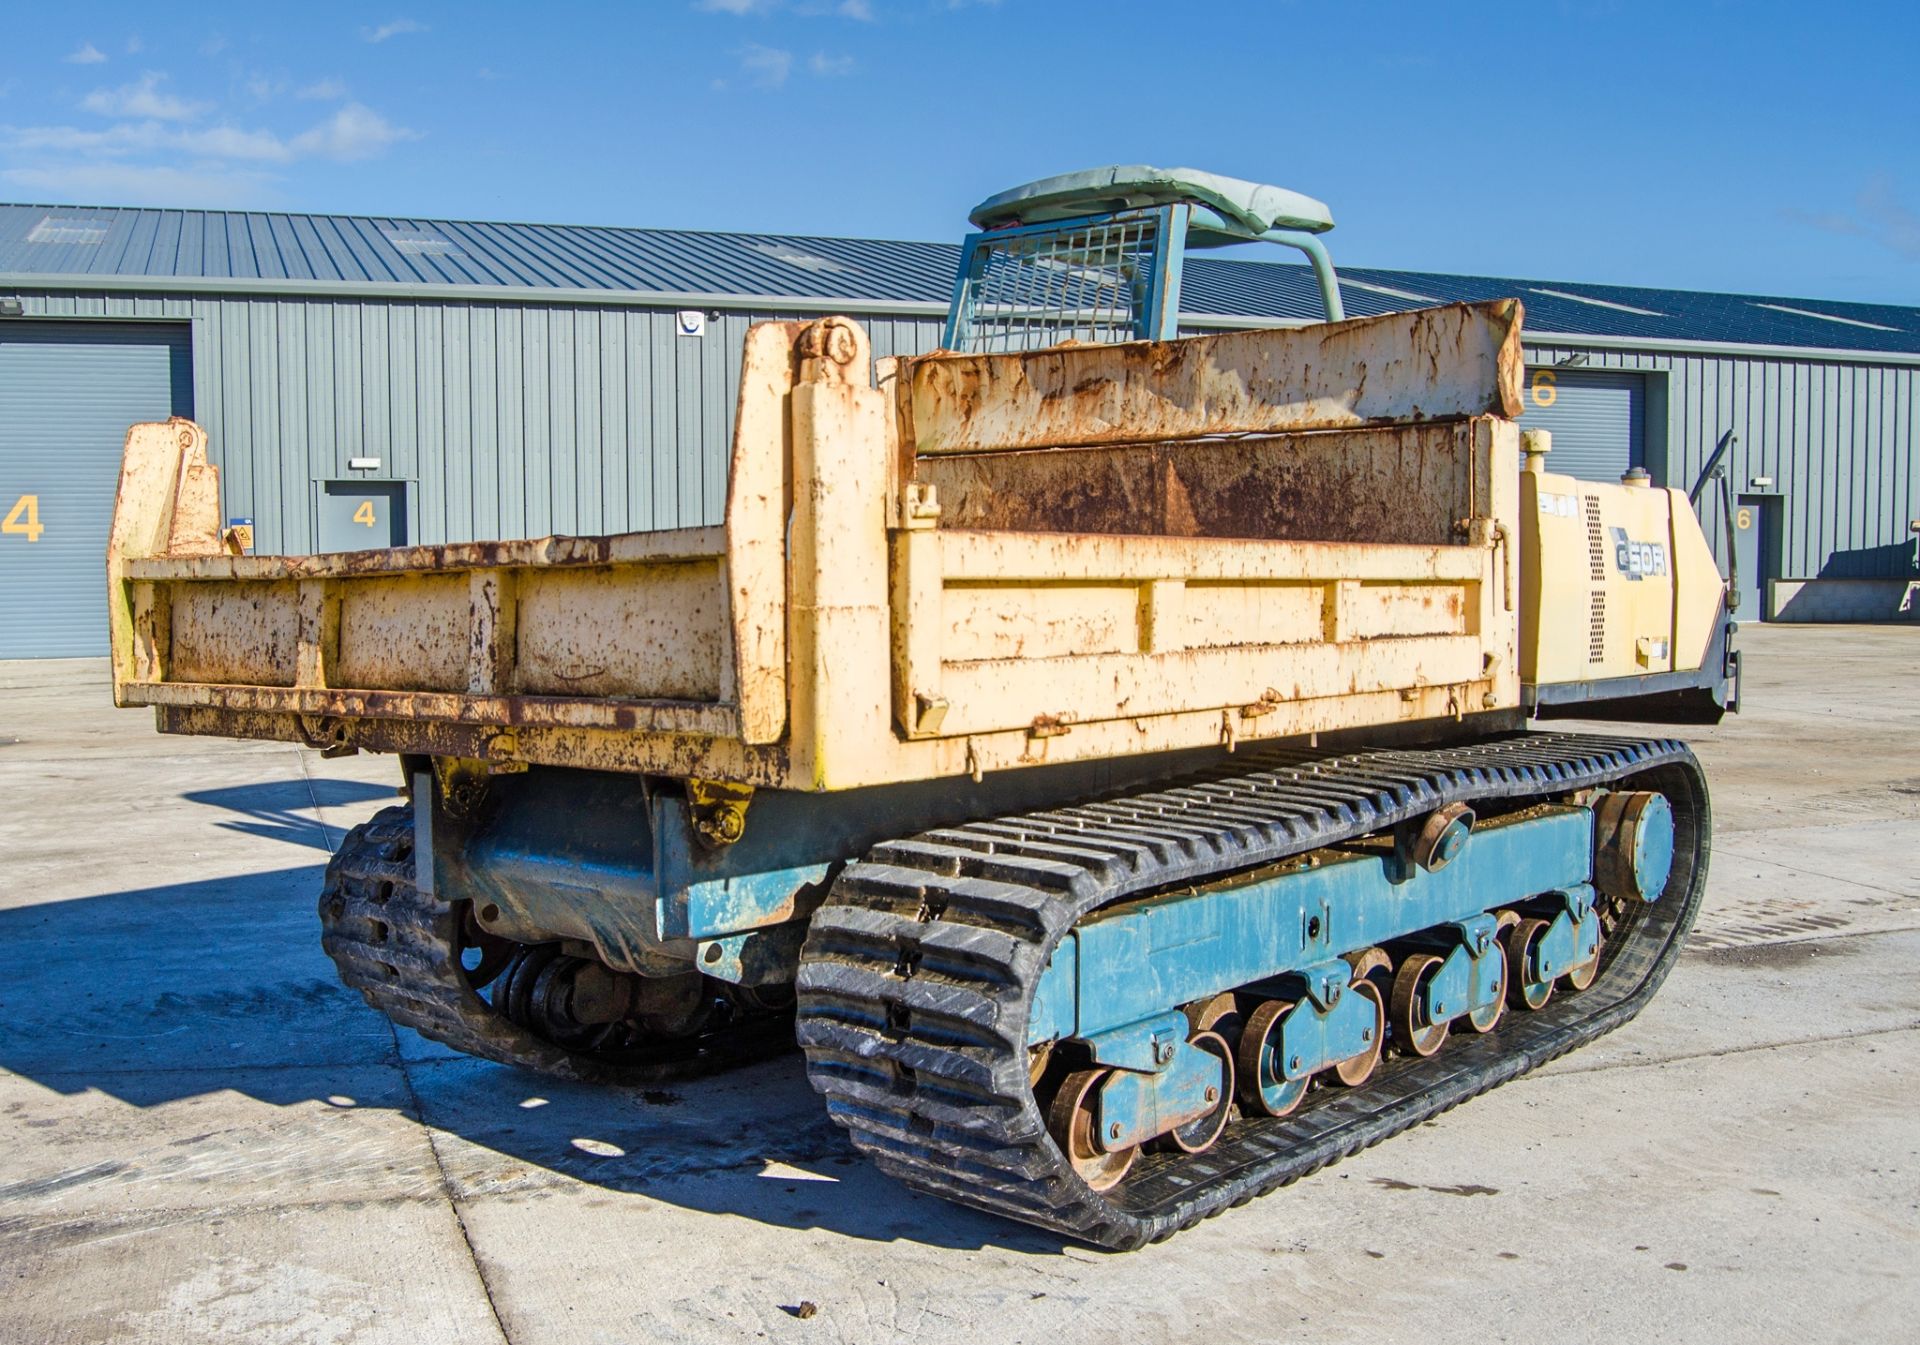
pixel 68 392
pixel 362 515
pixel 1597 418
pixel 1756 540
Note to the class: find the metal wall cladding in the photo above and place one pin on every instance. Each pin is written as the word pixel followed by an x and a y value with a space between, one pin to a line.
pixel 1838 438
pixel 521 419
pixel 510 420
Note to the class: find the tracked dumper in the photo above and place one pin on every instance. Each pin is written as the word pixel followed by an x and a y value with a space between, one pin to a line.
pixel 1105 752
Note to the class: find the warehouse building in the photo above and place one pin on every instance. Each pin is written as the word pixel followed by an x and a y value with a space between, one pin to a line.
pixel 368 382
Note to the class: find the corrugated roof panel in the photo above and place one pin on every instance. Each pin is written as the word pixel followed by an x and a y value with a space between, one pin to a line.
pixel 350 249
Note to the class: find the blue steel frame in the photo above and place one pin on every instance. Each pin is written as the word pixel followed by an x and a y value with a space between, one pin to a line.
pixel 1156 298
pixel 1153 955
pixel 1156 312
pixel 1285 937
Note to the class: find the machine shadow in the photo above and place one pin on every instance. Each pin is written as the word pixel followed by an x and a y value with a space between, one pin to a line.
pixel 159 994
pixel 283 810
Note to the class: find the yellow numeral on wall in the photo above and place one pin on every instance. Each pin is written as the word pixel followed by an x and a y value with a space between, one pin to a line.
pixel 364 514
pixel 1546 387
pixel 24 518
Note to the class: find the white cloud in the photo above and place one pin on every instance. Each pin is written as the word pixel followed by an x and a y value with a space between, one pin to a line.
pixel 354 132
pixel 142 98
pixel 393 29
pixel 85 54
pixel 216 142
pixel 1878 214
pixel 828 66
pixel 113 183
pixel 159 146
pixel 1889 222
pixel 214 45
pixel 861 10
pixel 135 45
pixel 230 142
pixel 766 66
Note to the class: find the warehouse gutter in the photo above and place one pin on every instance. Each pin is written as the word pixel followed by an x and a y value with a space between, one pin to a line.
pixel 520 294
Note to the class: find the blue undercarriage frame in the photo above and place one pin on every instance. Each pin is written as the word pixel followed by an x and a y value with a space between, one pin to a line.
pixel 1157 954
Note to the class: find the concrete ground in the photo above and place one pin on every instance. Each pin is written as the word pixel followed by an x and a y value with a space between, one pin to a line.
pixel 203 1137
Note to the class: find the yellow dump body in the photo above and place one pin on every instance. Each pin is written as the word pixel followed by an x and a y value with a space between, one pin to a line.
pixel 945 565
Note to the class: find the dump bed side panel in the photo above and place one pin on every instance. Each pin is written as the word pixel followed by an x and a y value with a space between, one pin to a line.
pixel 638 633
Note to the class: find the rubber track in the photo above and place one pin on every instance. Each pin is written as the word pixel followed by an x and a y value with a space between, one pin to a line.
pixel 918 973
pixel 396 946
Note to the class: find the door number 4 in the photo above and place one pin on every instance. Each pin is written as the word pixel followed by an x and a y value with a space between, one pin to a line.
pixel 364 515
pixel 23 520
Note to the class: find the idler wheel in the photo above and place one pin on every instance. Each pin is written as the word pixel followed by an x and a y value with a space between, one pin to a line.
pixel 483 954
pixel 1411 1029
pixel 513 996
pixel 1581 976
pixel 1263 1087
pixel 1523 991
pixel 1198 1135
pixel 1220 1014
pixel 1071 1120
pixel 1357 1069
pixel 1487 1016
pixel 1038 1058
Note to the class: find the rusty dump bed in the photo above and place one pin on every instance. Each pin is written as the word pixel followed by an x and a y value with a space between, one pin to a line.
pixel 942 565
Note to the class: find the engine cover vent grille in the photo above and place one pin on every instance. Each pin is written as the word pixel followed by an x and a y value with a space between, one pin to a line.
pixel 1596 539
pixel 1597 630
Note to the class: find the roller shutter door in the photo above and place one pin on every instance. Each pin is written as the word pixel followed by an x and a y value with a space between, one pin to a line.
pixel 1597 417
pixel 68 391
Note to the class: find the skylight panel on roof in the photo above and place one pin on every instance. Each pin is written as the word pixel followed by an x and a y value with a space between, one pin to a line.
pixel 420 242
pixel 1388 290
pixel 1827 317
pixel 1597 303
pixel 55 229
pixel 792 256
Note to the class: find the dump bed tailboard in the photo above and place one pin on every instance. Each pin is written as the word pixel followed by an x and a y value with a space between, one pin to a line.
pixel 1433 364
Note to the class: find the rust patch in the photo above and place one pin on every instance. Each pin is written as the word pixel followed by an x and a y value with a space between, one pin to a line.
pixel 1401 486
pixel 1430 364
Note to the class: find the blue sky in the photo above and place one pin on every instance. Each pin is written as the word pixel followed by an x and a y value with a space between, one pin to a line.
pixel 1752 147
